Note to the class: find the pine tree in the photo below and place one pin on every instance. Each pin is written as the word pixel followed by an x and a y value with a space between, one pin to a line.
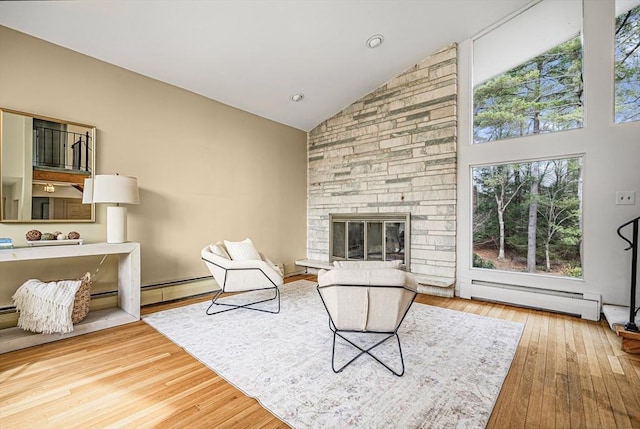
pixel 542 95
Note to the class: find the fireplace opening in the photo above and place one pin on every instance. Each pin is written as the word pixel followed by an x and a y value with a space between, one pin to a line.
pixel 370 237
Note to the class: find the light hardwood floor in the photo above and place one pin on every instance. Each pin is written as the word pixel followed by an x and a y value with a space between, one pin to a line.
pixel 567 373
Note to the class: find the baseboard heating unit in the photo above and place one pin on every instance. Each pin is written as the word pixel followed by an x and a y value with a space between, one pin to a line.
pixel 586 305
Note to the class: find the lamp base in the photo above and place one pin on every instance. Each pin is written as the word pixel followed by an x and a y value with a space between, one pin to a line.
pixel 116 224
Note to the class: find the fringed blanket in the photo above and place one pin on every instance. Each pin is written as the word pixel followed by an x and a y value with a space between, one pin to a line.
pixel 46 307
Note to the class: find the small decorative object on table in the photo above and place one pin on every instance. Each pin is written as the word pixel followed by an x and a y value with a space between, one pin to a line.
pixel 34 235
pixel 37 238
pixel 6 243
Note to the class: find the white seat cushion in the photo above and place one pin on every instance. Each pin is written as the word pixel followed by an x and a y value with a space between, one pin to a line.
pixel 367 300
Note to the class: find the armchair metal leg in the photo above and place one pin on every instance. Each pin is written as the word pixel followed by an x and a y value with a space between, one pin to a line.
pixel 367 351
pixel 248 306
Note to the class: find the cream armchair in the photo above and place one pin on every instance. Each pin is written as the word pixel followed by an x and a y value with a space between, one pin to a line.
pixel 238 267
pixel 366 300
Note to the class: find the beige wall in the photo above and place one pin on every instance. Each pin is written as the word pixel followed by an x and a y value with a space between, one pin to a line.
pixel 206 171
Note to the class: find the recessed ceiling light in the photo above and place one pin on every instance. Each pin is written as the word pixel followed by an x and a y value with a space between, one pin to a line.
pixel 297 97
pixel 375 41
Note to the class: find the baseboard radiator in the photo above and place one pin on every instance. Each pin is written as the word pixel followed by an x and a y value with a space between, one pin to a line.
pixel 586 305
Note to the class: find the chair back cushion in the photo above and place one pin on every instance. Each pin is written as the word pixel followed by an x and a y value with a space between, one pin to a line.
pixel 367 300
pixel 347 306
pixel 220 250
pixel 387 307
pixel 242 250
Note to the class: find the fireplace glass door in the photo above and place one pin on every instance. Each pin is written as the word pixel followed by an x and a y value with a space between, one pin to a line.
pixel 374 237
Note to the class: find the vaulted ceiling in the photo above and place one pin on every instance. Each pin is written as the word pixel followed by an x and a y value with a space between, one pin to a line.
pixel 254 55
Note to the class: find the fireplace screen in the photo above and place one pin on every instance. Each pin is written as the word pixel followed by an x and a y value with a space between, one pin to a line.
pixel 370 237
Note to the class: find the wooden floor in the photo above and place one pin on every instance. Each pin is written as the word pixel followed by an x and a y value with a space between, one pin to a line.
pixel 567 373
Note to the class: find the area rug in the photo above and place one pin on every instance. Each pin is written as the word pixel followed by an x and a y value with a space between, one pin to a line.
pixel 455 363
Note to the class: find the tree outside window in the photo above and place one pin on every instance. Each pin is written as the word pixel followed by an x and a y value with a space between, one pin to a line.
pixel 540 96
pixel 527 217
pixel 627 66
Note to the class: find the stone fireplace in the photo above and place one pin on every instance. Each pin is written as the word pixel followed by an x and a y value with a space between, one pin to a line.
pixel 393 151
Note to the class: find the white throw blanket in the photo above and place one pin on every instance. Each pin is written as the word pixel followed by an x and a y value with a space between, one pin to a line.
pixel 46 307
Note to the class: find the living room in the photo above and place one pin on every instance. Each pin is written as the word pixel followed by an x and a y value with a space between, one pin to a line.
pixel 208 171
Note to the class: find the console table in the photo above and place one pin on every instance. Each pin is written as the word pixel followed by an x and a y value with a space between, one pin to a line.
pixel 128 309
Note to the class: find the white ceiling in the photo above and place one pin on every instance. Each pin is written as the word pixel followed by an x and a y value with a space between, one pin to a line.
pixel 254 55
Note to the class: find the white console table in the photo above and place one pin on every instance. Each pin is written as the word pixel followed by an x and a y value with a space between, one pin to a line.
pixel 128 310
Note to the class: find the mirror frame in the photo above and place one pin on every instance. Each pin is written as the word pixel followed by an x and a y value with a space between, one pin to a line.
pixel 92 129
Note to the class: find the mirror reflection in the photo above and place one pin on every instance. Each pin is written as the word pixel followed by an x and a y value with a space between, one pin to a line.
pixel 43 164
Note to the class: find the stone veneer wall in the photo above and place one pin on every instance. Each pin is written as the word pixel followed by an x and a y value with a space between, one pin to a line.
pixel 392 151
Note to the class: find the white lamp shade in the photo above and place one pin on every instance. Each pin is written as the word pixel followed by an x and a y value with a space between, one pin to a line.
pixel 113 188
pixel 87 191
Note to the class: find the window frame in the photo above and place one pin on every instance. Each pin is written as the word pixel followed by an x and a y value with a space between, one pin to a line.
pixel 529 148
pixel 537 274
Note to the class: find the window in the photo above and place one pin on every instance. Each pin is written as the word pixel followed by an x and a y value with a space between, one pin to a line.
pixel 627 63
pixel 528 74
pixel 576 248
pixel 540 96
pixel 527 217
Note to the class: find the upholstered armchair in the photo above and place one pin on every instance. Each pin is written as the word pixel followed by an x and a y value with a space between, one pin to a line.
pixel 239 267
pixel 366 298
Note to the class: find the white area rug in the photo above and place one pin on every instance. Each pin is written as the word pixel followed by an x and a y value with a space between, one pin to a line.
pixel 455 363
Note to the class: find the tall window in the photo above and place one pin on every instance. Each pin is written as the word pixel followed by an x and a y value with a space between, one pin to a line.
pixel 527 81
pixel 627 65
pixel 540 96
pixel 563 183
pixel 528 74
pixel 527 217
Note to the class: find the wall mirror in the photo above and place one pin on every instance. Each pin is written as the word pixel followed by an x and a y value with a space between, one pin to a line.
pixel 43 164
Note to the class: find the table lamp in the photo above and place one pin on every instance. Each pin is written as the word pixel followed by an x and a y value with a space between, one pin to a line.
pixel 113 189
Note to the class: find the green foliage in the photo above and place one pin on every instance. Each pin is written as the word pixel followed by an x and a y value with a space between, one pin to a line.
pixel 479 262
pixel 542 95
pixel 517 243
pixel 559 231
pixel 569 236
pixel 571 271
